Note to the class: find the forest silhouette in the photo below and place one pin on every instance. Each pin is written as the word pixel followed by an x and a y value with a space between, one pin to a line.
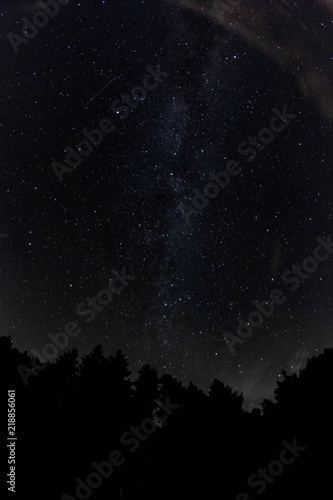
pixel 73 414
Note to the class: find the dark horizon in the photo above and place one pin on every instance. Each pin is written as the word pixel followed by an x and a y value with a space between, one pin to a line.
pixel 247 405
pixel 157 432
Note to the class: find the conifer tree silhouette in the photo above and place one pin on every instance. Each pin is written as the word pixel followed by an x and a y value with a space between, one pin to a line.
pixel 79 410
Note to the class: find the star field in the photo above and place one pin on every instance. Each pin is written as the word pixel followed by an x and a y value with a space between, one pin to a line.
pixel 120 207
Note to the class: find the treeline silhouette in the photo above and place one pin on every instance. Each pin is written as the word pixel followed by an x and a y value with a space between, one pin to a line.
pixel 72 414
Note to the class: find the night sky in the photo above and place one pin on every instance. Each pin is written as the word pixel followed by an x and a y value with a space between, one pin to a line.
pixel 121 207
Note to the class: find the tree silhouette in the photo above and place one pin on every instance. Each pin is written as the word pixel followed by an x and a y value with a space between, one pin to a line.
pixel 72 414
